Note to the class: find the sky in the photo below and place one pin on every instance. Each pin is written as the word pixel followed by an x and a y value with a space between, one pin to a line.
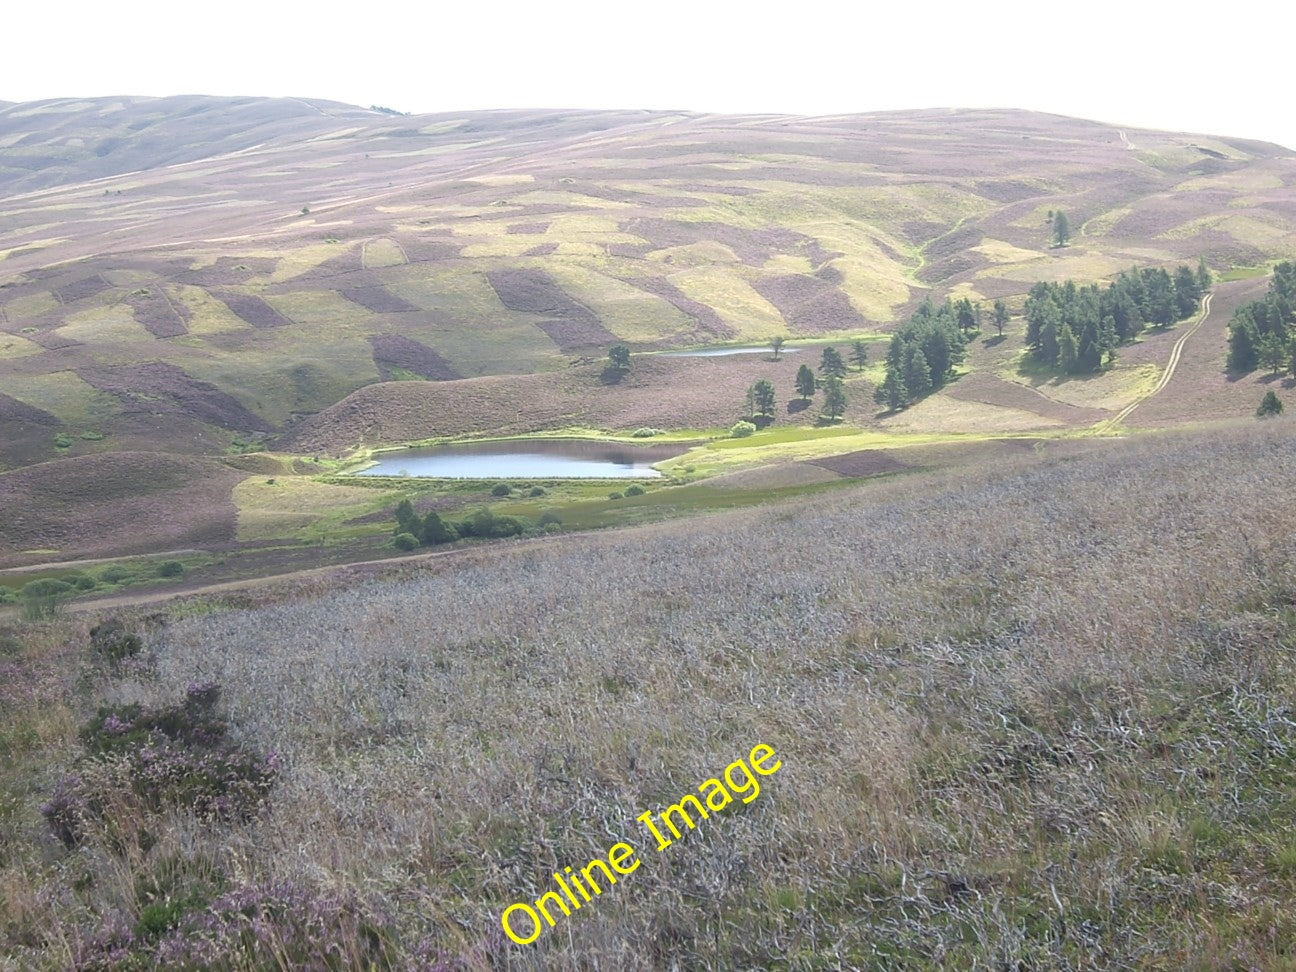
pixel 1133 63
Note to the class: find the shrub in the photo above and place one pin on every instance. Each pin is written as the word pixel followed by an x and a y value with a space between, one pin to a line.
pixel 176 756
pixel 405 541
pixel 741 429
pixel 550 518
pixel 1271 404
pixel 501 489
pixel 82 582
pixel 635 490
pixel 435 530
pixel 614 496
pixel 116 574
pixel 113 641
pixel 484 523
pixel 41 598
pixel 91 436
pixel 170 568
pixel 536 491
pixel 63 441
pixel 646 433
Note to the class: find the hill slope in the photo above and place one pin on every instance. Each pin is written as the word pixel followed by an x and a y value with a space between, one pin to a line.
pixel 179 271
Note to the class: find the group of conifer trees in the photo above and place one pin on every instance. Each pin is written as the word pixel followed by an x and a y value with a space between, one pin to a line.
pixel 1261 332
pixel 1077 329
pixel 924 351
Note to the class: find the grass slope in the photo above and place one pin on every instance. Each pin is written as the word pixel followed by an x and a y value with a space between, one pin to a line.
pixel 1028 715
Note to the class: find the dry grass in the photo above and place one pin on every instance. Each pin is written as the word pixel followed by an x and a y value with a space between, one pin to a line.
pixel 1035 717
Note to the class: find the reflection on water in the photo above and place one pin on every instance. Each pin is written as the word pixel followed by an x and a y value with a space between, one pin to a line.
pixel 527 459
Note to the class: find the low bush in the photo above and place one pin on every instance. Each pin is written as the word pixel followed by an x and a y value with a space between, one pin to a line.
pixel 646 433
pixel 550 518
pixel 42 598
pixel 501 489
pixel 486 524
pixel 405 541
pixel 113 641
pixel 742 428
pixel 635 490
pixel 116 574
pixel 170 568
pixel 159 759
pixel 536 491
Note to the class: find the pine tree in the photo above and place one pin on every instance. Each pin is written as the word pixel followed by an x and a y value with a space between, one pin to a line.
pixel 891 392
pixel 831 364
pixel 1061 228
pixel 1068 350
pixel 805 382
pixel 834 398
pixel 859 354
pixel 764 397
pixel 1204 280
pixel 407 520
pixel 917 374
pixel 1271 404
pixel 1273 352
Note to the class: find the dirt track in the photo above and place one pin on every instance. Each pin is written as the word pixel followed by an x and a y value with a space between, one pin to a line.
pixel 1176 353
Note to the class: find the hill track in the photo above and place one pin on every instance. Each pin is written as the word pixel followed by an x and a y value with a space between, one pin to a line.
pixel 1176 353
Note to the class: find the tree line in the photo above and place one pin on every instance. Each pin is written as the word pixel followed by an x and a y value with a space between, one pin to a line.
pixel 1260 332
pixel 1077 329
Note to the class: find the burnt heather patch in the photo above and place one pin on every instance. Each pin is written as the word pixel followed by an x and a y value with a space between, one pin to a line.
pixel 572 326
pixel 161 388
pixel 395 351
pixel 810 303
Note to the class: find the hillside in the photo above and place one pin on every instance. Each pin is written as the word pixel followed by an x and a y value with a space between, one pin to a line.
pixel 1030 716
pixel 188 277
pixel 186 270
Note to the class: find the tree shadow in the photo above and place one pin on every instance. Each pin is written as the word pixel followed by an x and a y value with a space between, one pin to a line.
pixel 798 405
pixel 993 342
pixel 612 376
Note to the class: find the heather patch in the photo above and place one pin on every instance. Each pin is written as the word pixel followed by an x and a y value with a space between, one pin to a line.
pixel 395 353
pixel 707 319
pixel 573 327
pixel 254 310
pixel 162 317
pixel 81 289
pixel 146 760
pixel 810 304
pixel 159 387
pixel 377 298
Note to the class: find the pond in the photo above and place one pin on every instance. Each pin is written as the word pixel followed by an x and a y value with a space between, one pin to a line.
pixel 527 459
pixel 719 352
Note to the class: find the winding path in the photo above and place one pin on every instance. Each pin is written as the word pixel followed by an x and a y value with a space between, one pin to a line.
pixel 1176 353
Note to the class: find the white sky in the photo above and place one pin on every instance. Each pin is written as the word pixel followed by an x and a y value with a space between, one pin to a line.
pixel 1149 64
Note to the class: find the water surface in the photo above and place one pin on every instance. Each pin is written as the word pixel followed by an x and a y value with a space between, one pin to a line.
pixel 719 352
pixel 527 459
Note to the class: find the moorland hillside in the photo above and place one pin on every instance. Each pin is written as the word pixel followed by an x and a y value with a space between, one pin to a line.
pixel 186 280
pixel 180 273
pixel 1027 715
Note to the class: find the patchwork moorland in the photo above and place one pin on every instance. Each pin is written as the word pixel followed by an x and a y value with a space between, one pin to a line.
pixel 1024 647
pixel 187 281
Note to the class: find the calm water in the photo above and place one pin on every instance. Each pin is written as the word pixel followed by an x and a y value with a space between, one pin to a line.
pixel 719 352
pixel 530 459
